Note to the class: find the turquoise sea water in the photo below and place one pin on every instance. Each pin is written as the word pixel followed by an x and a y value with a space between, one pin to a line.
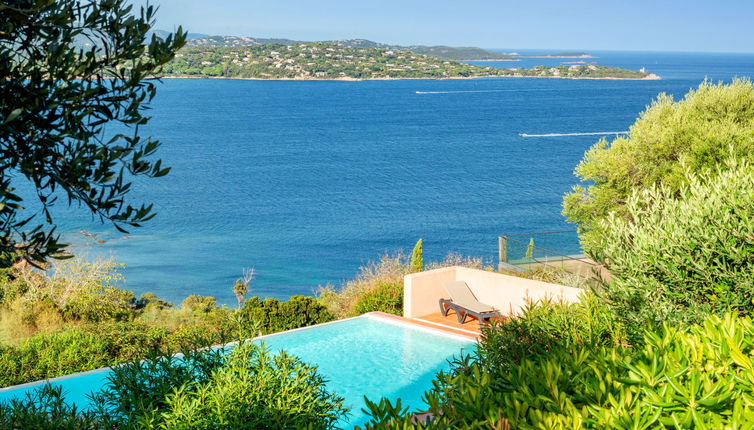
pixel 359 357
pixel 305 181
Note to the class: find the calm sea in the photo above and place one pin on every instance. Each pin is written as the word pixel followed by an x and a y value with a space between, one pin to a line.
pixel 306 181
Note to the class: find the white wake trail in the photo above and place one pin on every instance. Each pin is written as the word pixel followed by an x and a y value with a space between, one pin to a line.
pixel 591 133
pixel 481 91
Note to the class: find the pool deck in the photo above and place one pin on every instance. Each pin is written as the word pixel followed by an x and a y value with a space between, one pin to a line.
pixel 448 324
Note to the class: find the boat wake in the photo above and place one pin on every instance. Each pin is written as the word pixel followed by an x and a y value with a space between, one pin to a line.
pixel 483 91
pixel 591 133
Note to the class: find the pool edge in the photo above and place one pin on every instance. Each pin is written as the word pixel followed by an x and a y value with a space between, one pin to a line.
pixel 381 316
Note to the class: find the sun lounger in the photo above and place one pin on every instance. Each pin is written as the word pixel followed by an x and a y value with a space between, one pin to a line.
pixel 463 302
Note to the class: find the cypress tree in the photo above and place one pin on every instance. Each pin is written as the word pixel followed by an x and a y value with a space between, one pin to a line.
pixel 530 250
pixel 417 258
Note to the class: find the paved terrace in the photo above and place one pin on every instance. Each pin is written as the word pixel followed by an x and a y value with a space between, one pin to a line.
pixel 508 294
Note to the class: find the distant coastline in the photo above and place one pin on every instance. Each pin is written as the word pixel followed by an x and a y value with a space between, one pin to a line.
pixel 488 59
pixel 558 56
pixel 330 61
pixel 649 77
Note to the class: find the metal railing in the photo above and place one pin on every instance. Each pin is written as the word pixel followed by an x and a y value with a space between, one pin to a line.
pixel 528 249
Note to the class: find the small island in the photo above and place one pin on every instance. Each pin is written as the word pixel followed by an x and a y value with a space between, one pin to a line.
pixel 578 71
pixel 338 61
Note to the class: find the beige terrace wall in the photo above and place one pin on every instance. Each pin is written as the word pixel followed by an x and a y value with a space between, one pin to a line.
pixel 508 294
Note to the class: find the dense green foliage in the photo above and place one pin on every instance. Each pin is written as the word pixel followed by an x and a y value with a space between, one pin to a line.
pixel 696 377
pixel 52 134
pixel 385 297
pixel 198 323
pixel 72 291
pixel 543 327
pixel 271 315
pixel 248 387
pixel 316 60
pixel 93 346
pixel 330 60
pixel 576 71
pixel 710 125
pixel 75 317
pixel 679 256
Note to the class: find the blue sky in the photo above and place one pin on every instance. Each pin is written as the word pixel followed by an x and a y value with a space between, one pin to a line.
pixel 659 25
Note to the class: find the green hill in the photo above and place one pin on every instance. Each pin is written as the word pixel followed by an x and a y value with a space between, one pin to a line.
pixel 333 60
pixel 455 53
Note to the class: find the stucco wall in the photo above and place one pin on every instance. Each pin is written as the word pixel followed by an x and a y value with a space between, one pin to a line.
pixel 422 291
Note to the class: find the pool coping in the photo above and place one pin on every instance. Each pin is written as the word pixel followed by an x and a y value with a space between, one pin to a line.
pixel 381 316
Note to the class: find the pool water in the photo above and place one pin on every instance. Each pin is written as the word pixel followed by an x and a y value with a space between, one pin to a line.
pixel 364 356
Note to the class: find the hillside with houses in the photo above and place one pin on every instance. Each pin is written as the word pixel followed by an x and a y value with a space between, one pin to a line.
pixel 335 61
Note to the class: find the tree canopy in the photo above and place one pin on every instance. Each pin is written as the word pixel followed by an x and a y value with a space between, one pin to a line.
pixel 70 68
pixel 671 138
pixel 682 256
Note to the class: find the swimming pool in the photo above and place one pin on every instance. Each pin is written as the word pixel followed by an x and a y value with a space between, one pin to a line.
pixel 370 356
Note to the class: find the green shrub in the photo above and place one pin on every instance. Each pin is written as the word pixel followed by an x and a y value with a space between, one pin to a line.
pixel 386 297
pixel 711 124
pixel 199 304
pixel 271 315
pixel 88 291
pixel 249 387
pixel 46 409
pixel 697 377
pixel 107 304
pixel 51 355
pixel 90 347
pixel 680 256
pixel 544 326
pixel 140 389
pixel 389 269
pixel 150 301
pixel 267 391
pixel 10 289
pixel 71 291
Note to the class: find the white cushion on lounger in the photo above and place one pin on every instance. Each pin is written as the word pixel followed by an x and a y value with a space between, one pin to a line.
pixel 462 296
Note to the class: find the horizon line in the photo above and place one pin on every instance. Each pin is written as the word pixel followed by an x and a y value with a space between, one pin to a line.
pixel 497 49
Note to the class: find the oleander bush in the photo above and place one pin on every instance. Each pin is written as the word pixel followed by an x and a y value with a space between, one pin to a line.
pixel 248 387
pixel 700 376
pixel 711 124
pixel 271 315
pixel 680 256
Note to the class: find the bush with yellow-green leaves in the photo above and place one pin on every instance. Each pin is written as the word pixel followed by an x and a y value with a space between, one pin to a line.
pixel 701 376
